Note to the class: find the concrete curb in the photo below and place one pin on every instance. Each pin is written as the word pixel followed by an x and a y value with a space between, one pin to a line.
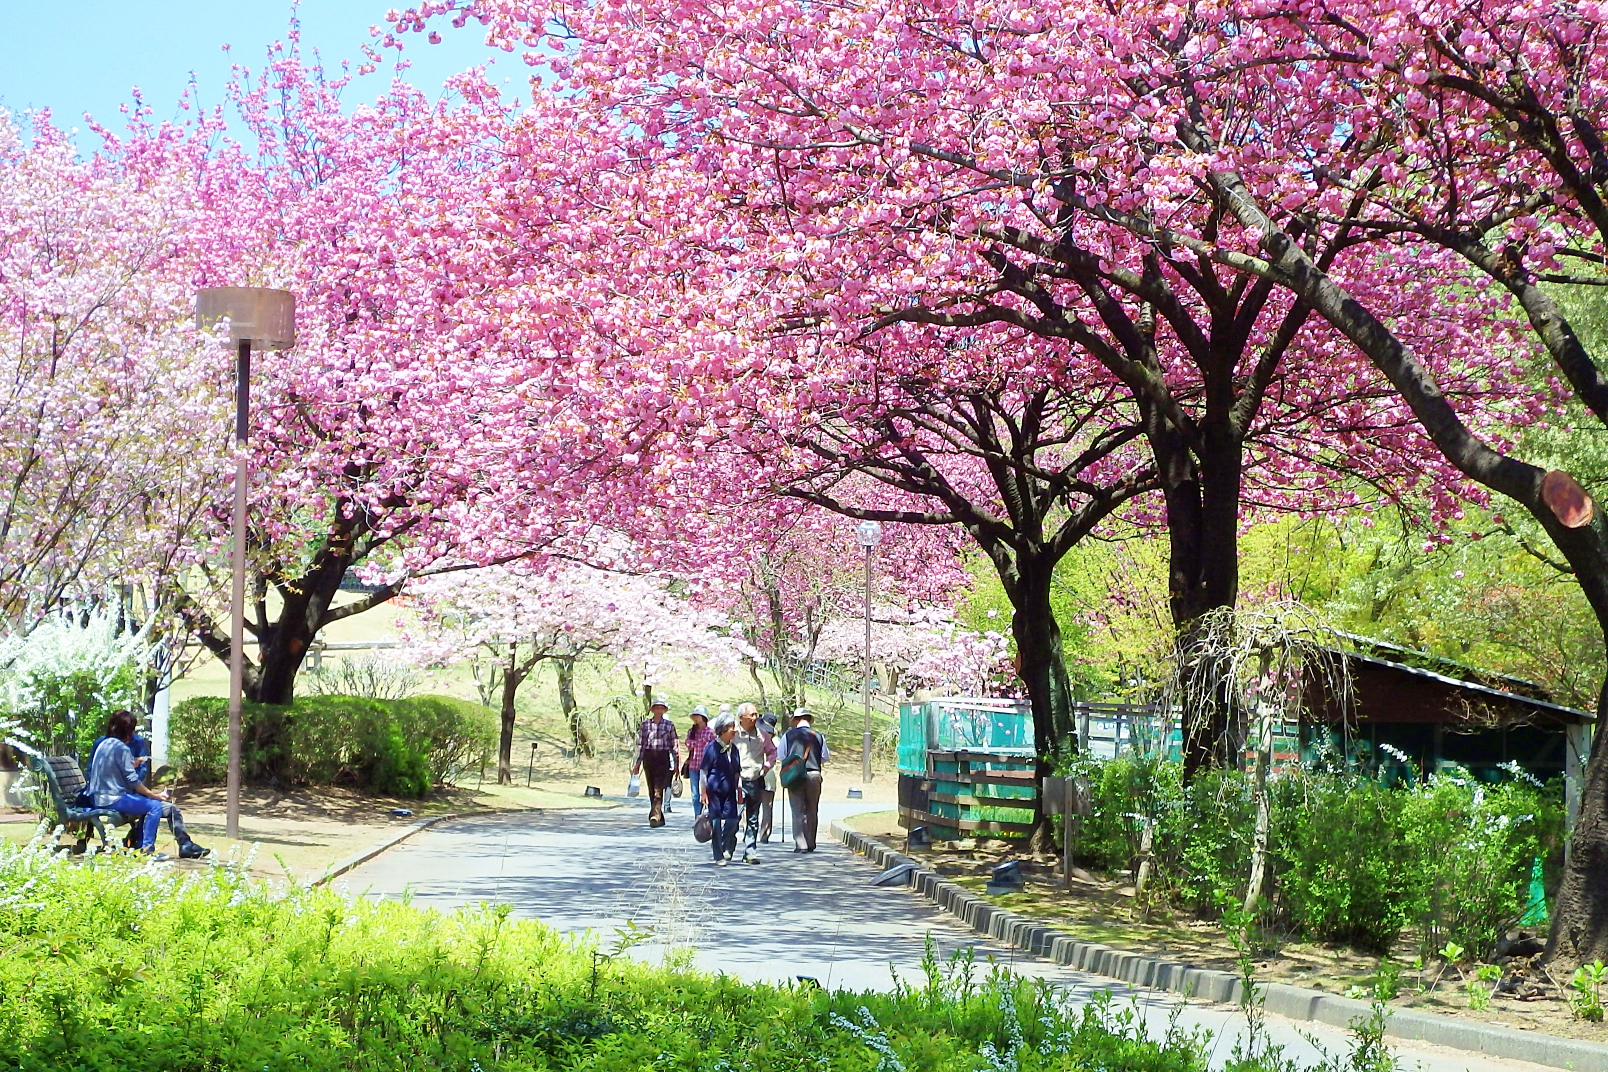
pixel 363 856
pixel 1207 984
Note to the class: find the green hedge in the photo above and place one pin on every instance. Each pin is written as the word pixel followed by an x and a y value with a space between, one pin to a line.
pixel 110 967
pixel 390 746
pixel 1354 862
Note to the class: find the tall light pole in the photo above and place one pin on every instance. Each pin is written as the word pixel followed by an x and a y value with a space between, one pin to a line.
pixel 869 534
pixel 259 319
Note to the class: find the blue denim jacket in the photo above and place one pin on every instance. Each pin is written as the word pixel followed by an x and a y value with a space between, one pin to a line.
pixel 111 772
pixel 722 769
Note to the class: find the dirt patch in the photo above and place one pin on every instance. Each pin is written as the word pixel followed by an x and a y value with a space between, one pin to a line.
pixel 296 834
pixel 1102 909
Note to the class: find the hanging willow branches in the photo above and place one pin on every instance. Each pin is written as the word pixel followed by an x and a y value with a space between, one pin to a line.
pixel 1270 664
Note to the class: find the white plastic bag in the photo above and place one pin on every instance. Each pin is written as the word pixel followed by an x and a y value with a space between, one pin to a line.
pixel 633 788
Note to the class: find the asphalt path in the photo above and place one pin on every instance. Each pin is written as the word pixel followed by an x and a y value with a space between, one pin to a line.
pixel 791 916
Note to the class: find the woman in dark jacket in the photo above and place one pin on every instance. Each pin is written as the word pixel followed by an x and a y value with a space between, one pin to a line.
pixel 721 787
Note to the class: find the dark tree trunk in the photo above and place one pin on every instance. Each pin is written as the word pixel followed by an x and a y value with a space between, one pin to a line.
pixel 505 740
pixel 759 683
pixel 1202 497
pixel 306 607
pixel 1041 663
pixel 1580 913
pixel 572 714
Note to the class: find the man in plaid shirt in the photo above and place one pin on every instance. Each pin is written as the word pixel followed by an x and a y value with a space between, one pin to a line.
pixel 656 757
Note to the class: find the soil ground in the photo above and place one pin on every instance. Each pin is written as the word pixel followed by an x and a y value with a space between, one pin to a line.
pixel 1098 909
pixel 297 834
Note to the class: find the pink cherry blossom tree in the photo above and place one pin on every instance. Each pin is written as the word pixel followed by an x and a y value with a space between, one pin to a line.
pixel 110 418
pixel 1474 141
pixel 802 583
pixel 927 304
pixel 506 622
pixel 964 662
pixel 378 444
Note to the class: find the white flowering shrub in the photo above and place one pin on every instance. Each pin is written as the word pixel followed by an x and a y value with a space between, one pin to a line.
pixel 59 682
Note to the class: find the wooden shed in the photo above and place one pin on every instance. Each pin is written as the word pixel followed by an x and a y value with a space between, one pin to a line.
pixel 1438 713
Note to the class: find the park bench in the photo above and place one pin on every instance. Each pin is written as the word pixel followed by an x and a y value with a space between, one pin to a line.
pixel 64 781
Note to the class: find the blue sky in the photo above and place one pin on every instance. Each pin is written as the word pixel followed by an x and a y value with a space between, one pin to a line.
pixel 77 56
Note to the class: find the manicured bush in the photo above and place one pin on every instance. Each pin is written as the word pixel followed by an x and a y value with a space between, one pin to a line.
pixel 392 746
pixel 113 967
pixel 1353 861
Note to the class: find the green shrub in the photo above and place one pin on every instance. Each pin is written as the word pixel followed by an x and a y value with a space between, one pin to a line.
pixel 391 746
pixel 1344 872
pixel 109 966
pixel 1205 835
pixel 1353 861
pixel 1477 845
pixel 1122 792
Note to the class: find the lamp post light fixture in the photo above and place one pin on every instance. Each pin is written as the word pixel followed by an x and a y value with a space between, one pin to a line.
pixel 869 533
pixel 259 319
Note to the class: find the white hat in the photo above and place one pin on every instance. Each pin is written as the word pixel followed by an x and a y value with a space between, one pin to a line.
pixel 804 713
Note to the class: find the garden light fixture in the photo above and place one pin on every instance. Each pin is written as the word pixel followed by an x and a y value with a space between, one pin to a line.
pixel 869 533
pixel 259 319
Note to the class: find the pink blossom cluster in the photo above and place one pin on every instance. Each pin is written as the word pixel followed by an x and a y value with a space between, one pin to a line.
pixel 570 612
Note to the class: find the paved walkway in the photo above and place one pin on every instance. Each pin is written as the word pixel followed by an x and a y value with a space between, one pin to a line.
pixel 812 915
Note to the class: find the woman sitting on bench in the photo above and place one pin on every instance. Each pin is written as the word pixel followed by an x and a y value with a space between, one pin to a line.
pixel 114 783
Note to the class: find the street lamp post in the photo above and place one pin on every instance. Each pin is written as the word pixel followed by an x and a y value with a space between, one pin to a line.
pixel 869 534
pixel 259 319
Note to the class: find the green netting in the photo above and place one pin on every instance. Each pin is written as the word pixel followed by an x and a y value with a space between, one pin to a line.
pixel 953 724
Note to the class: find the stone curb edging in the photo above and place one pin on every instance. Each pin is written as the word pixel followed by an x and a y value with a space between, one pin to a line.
pixel 1293 1002
pixel 363 856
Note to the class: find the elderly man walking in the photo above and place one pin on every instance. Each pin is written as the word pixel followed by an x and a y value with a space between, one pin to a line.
pixel 767 809
pixel 758 753
pixel 656 757
pixel 803 754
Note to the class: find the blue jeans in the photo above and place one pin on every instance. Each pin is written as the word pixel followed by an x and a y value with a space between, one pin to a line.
pixel 724 843
pixel 152 812
pixel 695 783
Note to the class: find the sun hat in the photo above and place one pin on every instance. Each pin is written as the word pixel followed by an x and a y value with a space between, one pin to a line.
pixel 804 713
pixel 658 703
pixel 701 711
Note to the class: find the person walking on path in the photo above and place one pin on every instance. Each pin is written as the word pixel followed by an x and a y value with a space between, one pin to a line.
pixel 758 754
pixel 722 787
pixel 803 746
pixel 656 757
pixel 114 783
pixel 767 808
pixel 698 738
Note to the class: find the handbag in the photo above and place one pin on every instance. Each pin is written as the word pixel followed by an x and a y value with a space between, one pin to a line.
pixel 703 828
pixel 792 771
pixel 633 788
pixel 793 767
pixel 676 786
